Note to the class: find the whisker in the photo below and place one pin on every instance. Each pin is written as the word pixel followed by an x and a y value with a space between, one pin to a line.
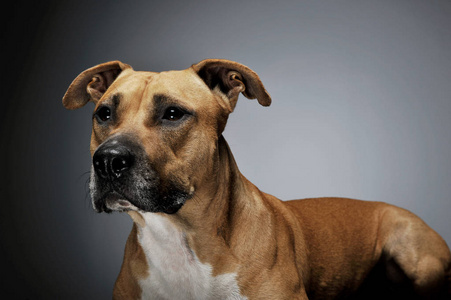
pixel 84 174
pixel 86 185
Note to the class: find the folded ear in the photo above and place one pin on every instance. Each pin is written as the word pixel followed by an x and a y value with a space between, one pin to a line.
pixel 230 78
pixel 91 84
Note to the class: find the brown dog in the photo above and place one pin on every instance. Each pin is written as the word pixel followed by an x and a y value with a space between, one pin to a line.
pixel 203 231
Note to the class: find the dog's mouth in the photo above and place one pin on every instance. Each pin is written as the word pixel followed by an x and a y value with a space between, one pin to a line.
pixel 114 201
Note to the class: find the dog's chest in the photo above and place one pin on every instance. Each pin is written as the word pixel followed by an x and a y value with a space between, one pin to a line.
pixel 175 271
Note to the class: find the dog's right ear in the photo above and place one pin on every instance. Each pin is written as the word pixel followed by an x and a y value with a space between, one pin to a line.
pixel 91 84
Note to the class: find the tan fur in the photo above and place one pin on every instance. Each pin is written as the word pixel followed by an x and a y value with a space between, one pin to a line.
pixel 134 268
pixel 317 248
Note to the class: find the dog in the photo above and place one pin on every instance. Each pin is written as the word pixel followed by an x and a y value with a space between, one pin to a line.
pixel 201 230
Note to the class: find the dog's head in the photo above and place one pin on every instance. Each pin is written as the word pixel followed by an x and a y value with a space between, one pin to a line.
pixel 155 135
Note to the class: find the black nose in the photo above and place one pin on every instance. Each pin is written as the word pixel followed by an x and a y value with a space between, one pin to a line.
pixel 112 160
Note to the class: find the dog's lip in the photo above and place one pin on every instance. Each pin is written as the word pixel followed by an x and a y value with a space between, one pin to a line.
pixel 117 202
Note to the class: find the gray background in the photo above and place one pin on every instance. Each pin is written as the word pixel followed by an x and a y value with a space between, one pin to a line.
pixel 361 108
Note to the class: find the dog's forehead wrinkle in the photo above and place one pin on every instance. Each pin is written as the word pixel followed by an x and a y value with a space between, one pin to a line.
pixel 182 85
pixel 132 85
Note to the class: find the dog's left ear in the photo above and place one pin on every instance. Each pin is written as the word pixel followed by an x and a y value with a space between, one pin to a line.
pixel 230 79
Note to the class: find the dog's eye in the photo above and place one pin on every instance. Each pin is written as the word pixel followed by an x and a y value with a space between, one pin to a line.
pixel 173 114
pixel 103 114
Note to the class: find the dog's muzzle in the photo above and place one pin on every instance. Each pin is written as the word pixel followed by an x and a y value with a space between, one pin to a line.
pixel 123 179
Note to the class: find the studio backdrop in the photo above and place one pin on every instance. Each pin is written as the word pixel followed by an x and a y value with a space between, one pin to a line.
pixel 361 108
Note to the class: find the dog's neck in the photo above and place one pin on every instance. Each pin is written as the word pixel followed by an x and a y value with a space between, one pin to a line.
pixel 225 191
pixel 218 207
pixel 228 208
pixel 224 216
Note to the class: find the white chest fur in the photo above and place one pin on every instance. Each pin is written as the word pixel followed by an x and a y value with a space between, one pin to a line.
pixel 175 271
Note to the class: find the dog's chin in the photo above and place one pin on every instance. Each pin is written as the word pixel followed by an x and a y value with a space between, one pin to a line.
pixel 115 202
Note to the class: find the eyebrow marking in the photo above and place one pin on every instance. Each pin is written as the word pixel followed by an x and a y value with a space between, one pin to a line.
pixel 113 101
pixel 116 99
pixel 163 100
